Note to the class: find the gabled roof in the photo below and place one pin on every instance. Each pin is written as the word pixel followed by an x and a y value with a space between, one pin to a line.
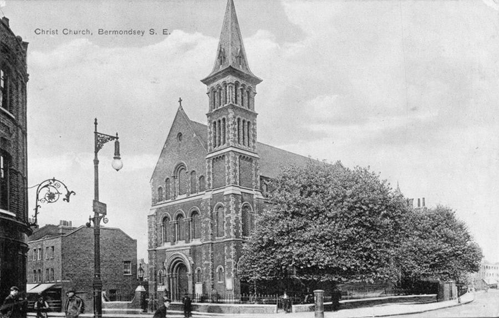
pixel 230 51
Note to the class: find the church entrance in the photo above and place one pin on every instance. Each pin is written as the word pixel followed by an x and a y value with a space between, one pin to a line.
pixel 179 280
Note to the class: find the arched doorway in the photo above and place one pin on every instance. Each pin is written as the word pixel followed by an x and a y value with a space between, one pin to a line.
pixel 179 280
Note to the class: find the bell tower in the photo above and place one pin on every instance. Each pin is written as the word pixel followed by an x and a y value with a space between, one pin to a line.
pixel 231 112
pixel 233 194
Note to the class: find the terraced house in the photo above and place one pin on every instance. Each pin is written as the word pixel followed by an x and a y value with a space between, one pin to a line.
pixel 210 181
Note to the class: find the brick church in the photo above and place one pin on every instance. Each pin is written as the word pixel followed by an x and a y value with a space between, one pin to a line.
pixel 210 182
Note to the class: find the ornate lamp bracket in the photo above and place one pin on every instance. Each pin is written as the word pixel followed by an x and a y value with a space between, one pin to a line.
pixel 49 191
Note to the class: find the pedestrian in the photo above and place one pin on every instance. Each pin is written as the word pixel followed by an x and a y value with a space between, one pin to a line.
pixel 187 306
pixel 335 297
pixel 75 306
pixel 286 303
pixel 162 310
pixel 41 307
pixel 12 305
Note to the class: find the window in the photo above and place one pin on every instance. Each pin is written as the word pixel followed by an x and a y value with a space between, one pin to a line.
pixel 246 219
pixel 4 181
pixel 34 254
pixel 236 101
pixel 52 278
pixel 160 277
pixel 4 88
pixel 47 252
pixel 220 274
pixel 39 256
pixel 202 184
pixel 167 189
pixel 127 268
pixel 193 182
pixel 180 228
pixel 220 221
pixel 223 131
pixel 160 194
pixel 47 276
pixel 53 252
pixel 195 225
pixel 182 182
pixel 198 275
pixel 165 225
pixel 39 275
pixel 34 276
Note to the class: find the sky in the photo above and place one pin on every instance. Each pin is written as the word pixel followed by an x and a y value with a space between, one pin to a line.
pixel 408 88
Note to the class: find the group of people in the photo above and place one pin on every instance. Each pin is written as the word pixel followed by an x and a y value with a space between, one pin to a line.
pixel 161 312
pixel 14 306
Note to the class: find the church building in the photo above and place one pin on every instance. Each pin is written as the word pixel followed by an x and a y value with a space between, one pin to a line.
pixel 210 182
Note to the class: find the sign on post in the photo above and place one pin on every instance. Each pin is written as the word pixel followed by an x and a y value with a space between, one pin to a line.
pixel 100 207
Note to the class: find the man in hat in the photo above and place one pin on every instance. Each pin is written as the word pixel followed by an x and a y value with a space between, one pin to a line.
pixel 161 312
pixel 74 305
pixel 12 306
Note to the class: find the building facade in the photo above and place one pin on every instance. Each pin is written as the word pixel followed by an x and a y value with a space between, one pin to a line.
pixel 210 182
pixel 14 227
pixel 489 272
pixel 62 257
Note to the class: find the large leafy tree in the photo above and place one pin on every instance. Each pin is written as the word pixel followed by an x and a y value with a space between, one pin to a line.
pixel 438 246
pixel 326 223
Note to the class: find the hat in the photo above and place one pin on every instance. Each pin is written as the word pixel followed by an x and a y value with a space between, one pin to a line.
pixel 165 299
pixel 14 288
pixel 71 290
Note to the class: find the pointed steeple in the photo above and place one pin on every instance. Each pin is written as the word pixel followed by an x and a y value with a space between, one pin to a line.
pixel 230 50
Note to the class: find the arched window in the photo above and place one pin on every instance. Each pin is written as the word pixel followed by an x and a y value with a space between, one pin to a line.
pixel 160 277
pixel 246 220
pixel 160 194
pixel 165 226
pixel 34 276
pixel 219 97
pixel 242 95
pixel 199 277
pixel 213 101
pixel 223 131
pixel 236 89
pixel 248 99
pixel 248 133
pixel 239 130
pixel 182 182
pixel 194 180
pixel 167 189
pixel 220 221
pixel 52 275
pixel 219 133
pixel 225 94
pixel 220 274
pixel 244 132
pixel 39 275
pixel 180 228
pixel 202 184
pixel 195 225
pixel 214 133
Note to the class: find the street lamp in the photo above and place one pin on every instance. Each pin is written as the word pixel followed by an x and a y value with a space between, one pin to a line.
pixel 140 273
pixel 100 211
pixel 48 191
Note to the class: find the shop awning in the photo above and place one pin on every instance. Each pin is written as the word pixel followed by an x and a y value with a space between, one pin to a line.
pixel 39 288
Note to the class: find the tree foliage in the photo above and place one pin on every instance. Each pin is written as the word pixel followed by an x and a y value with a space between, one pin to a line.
pixel 326 222
pixel 437 245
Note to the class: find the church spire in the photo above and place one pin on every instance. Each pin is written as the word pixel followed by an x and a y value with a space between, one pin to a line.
pixel 230 50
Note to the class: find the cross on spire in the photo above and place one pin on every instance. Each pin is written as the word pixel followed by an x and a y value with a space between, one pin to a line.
pixel 180 101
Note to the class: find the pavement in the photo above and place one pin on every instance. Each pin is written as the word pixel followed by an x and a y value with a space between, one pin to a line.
pixel 383 310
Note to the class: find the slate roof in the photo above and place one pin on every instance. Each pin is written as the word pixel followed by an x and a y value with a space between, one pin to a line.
pixel 272 159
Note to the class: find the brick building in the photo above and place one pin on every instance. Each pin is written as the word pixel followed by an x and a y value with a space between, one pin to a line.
pixel 62 256
pixel 14 227
pixel 210 181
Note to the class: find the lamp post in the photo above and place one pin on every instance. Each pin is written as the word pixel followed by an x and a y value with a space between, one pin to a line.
pixel 140 274
pixel 48 191
pixel 100 212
